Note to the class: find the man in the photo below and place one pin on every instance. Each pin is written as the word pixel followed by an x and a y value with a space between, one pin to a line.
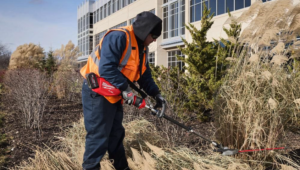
pixel 120 56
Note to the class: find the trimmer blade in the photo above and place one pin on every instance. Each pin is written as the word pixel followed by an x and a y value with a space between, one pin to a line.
pixel 229 152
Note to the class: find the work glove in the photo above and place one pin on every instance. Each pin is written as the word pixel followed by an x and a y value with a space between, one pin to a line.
pixel 128 96
pixel 159 101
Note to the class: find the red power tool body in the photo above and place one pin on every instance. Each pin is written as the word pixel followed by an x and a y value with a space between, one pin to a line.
pixel 105 88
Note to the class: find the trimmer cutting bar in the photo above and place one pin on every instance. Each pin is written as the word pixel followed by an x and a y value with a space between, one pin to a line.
pixel 219 148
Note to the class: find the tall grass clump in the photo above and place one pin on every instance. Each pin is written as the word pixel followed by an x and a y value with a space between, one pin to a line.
pixel 259 99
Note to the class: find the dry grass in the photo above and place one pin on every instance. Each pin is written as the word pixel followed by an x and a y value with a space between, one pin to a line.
pixel 142 153
pixel 275 20
pixel 256 106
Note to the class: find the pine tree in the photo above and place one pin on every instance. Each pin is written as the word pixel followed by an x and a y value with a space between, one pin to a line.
pixel 203 79
pixel 50 64
pixel 230 45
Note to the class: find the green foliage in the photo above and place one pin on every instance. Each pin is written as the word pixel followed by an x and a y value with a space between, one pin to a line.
pixel 205 68
pixel 193 91
pixel 171 81
pixel 50 65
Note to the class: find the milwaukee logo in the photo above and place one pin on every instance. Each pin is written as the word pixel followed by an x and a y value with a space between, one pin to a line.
pixel 107 86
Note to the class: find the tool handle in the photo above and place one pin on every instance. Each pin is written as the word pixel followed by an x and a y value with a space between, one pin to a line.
pixel 177 123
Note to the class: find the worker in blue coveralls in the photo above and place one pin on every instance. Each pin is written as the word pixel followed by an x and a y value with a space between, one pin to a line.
pixel 118 63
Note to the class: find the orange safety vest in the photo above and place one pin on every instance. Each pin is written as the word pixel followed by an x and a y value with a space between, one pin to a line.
pixel 129 63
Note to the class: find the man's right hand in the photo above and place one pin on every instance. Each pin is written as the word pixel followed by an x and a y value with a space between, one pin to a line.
pixel 128 96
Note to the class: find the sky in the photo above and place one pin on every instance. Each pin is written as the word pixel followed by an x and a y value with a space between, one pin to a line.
pixel 48 23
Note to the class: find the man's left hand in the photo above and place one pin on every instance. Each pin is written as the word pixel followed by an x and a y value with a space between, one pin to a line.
pixel 159 101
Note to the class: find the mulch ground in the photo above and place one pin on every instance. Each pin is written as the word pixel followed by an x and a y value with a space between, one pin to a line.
pixel 22 142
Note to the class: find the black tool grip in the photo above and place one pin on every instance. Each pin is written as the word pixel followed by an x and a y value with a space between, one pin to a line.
pixel 92 81
pixel 177 123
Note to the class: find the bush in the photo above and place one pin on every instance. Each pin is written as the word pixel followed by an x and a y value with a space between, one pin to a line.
pixel 171 81
pixel 28 89
pixel 67 84
pixel 4 57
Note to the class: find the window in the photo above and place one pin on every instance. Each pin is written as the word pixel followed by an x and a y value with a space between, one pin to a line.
pixel 91 20
pixel 83 23
pixel 97 15
pixel 105 10
pixel 230 5
pixel 87 46
pixel 221 7
pixel 82 45
pixel 152 11
pixel 247 3
pixel 108 8
pixel 182 17
pixel 120 4
pixel 131 21
pixel 78 22
pixel 239 5
pixel 90 44
pixel 101 13
pixel 195 10
pixel 174 19
pixel 124 3
pixel 87 24
pixel 218 7
pixel 99 36
pixel 130 1
pixel 119 25
pixel 151 58
pixel 165 1
pixel 113 6
pixel 172 59
pixel 165 22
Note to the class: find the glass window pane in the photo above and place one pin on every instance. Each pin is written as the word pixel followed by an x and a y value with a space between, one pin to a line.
pixel 229 5
pixel 182 17
pixel 192 13
pixel 165 23
pixel 101 15
pixel 108 8
pixel 221 7
pixel 239 4
pixel 213 7
pixel 198 12
pixel 192 2
pixel 247 3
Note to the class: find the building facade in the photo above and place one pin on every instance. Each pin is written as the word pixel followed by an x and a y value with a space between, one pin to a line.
pixel 96 17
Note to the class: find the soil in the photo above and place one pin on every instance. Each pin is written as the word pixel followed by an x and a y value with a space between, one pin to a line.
pixel 22 142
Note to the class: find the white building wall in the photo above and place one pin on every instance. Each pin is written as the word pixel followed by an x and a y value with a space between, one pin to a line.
pixel 161 46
